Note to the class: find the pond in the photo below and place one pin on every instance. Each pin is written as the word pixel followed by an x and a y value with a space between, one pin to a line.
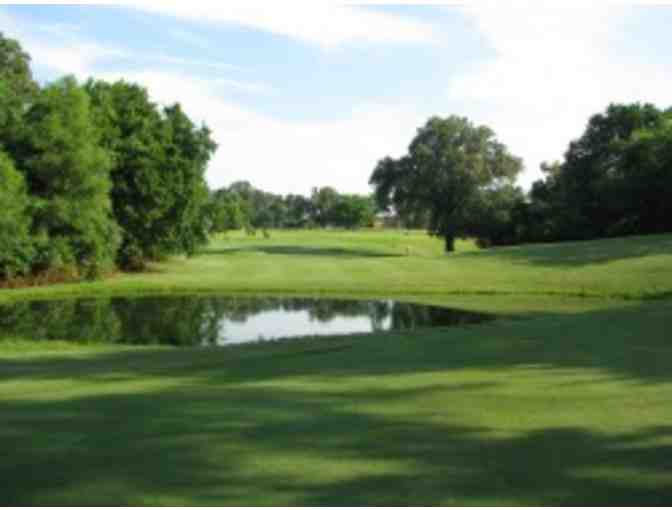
pixel 208 320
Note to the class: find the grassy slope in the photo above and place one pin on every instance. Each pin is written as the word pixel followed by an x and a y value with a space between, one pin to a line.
pixel 376 263
pixel 557 409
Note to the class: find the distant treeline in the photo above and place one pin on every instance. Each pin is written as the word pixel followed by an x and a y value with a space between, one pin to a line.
pixel 240 205
pixel 93 175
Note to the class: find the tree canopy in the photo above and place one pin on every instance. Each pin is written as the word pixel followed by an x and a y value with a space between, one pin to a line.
pixel 16 250
pixel 449 170
pixel 241 204
pixel 94 174
pixel 616 179
pixel 17 90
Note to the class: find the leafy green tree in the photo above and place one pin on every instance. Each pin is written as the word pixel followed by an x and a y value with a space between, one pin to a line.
pixel 615 179
pixel 159 159
pixel 133 133
pixel 641 187
pixel 299 211
pixel 189 151
pixel 225 211
pixel 16 247
pixel 591 166
pixel 324 200
pixel 492 218
pixel 353 211
pixel 68 179
pixel 17 91
pixel 449 162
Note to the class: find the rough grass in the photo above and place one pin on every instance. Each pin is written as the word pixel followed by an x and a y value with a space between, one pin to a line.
pixel 570 406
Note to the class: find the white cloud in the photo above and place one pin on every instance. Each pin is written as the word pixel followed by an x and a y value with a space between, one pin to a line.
pixel 325 24
pixel 59 48
pixel 285 156
pixel 554 67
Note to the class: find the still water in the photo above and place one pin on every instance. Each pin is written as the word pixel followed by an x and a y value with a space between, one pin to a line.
pixel 207 320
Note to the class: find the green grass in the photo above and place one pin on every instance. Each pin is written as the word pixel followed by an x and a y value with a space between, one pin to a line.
pixel 572 405
pixel 376 263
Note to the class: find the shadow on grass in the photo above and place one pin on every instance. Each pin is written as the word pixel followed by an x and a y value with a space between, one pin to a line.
pixel 210 445
pixel 582 253
pixel 312 251
pixel 243 425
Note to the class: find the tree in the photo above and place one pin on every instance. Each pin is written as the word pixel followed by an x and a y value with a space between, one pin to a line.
pixel 189 151
pixel 642 185
pixel 225 211
pixel 324 200
pixel 67 174
pixel 299 211
pixel 16 248
pixel 591 165
pixel 159 159
pixel 449 162
pixel 615 179
pixel 493 219
pixel 353 211
pixel 17 91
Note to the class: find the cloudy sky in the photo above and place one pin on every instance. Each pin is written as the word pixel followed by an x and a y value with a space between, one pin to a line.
pixel 308 94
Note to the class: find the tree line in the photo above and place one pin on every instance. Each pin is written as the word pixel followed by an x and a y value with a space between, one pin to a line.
pixel 242 206
pixel 94 175
pixel 458 180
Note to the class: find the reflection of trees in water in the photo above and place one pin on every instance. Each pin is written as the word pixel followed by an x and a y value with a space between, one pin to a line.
pixel 198 320
pixel 411 316
pixel 181 321
pixel 85 320
pixel 169 321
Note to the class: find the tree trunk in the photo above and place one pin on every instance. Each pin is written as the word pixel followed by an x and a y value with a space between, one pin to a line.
pixel 450 243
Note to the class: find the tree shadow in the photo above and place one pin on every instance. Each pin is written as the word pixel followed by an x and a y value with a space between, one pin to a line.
pixel 581 253
pixel 242 426
pixel 312 251
pixel 209 444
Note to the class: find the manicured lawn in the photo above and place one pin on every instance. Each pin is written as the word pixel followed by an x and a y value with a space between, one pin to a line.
pixel 567 402
pixel 376 263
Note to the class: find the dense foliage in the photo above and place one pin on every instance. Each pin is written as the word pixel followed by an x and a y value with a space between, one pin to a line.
pixel 158 171
pixel 240 205
pixel 67 172
pixel 16 247
pixel 452 171
pixel 615 180
pixel 95 174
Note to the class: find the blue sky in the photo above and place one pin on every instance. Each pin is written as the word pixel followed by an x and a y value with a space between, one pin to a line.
pixel 302 94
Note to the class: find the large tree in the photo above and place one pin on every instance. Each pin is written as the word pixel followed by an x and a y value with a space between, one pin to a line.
pixel 591 167
pixel 67 173
pixel 159 159
pixel 188 152
pixel 450 163
pixel 17 91
pixel 615 179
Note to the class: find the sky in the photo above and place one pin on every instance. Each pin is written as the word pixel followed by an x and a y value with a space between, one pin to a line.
pixel 304 94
